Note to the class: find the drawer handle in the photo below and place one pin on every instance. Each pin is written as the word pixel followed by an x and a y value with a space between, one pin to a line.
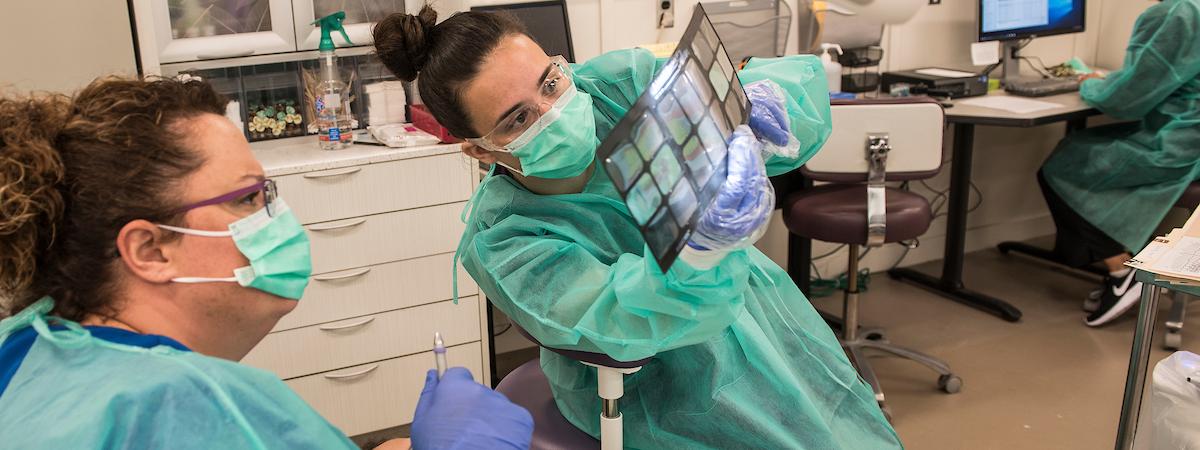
pixel 336 173
pixel 352 375
pixel 346 327
pixel 343 277
pixel 337 227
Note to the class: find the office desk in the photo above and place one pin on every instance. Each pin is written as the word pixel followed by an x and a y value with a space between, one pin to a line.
pixel 965 118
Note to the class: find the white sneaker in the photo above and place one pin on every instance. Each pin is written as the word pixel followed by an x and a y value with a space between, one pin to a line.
pixel 1118 297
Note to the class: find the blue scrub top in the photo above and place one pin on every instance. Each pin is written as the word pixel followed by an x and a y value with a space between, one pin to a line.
pixel 16 347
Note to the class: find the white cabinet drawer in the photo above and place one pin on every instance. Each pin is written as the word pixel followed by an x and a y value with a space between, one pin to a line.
pixel 320 348
pixel 378 239
pixel 376 188
pixel 373 289
pixel 380 395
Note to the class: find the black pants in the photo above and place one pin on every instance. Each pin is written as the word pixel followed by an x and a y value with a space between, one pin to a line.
pixel 1078 242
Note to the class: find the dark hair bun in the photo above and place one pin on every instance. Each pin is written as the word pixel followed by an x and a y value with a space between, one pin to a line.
pixel 402 42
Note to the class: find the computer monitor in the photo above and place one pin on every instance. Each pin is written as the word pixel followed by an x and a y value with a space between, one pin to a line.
pixel 1003 20
pixel 1011 21
pixel 546 22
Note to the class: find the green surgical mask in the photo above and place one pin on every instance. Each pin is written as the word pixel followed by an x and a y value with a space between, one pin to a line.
pixel 562 143
pixel 275 244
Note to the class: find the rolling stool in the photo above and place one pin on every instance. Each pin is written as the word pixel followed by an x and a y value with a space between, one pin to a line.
pixel 528 387
pixel 901 140
pixel 1173 336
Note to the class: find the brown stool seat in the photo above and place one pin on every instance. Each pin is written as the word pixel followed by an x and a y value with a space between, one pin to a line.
pixel 1191 197
pixel 838 213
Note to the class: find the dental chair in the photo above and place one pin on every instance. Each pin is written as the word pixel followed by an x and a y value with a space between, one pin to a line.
pixel 1173 335
pixel 527 386
pixel 873 142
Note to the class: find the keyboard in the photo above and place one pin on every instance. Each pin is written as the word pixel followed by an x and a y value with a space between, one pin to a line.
pixel 1043 87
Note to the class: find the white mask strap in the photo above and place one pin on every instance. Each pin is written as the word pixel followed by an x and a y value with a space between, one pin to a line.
pixel 201 233
pixel 194 280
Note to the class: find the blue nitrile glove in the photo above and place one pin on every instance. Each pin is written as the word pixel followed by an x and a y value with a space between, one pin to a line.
pixel 769 119
pixel 739 215
pixel 458 413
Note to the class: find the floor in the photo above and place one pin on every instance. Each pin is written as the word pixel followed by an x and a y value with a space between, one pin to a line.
pixel 1046 382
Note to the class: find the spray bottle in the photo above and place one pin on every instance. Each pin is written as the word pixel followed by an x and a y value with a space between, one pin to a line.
pixel 833 70
pixel 332 102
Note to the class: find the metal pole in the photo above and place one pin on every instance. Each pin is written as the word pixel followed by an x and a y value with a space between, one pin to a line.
pixel 850 308
pixel 1139 360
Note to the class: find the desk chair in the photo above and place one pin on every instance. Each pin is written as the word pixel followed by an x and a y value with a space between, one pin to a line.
pixel 527 386
pixel 1174 323
pixel 873 141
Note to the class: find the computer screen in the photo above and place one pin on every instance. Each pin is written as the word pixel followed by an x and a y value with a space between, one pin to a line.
pixel 1019 19
pixel 547 24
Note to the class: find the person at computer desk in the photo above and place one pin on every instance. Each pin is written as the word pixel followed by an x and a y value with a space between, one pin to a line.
pixel 1109 187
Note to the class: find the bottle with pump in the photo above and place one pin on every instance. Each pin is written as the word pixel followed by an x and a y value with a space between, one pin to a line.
pixel 332 104
pixel 833 70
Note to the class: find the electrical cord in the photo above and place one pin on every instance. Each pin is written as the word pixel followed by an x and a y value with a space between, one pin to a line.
pixel 505 330
pixel 1041 71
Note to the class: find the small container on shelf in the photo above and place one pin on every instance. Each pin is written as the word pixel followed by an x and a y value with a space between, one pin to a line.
pixel 273 101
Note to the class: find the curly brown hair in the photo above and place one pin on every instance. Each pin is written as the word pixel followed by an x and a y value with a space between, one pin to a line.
pixel 75 170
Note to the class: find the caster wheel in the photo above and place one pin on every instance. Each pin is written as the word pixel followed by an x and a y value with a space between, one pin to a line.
pixel 950 384
pixel 1172 341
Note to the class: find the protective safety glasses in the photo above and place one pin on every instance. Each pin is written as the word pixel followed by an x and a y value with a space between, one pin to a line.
pixel 557 81
pixel 248 196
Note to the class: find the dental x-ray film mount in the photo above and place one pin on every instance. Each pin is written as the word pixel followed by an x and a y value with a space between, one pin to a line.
pixel 667 155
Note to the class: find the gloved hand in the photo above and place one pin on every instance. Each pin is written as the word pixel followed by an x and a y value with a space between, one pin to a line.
pixel 458 413
pixel 739 215
pixel 769 119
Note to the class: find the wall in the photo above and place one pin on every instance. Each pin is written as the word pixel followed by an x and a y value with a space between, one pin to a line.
pixel 61 45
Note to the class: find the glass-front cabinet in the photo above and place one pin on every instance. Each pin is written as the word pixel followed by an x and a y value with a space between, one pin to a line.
pixel 189 30
pixel 180 31
pixel 361 17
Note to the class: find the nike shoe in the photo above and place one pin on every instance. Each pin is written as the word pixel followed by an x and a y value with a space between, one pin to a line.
pixel 1092 302
pixel 1119 296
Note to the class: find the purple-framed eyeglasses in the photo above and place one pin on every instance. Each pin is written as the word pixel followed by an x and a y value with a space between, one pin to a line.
pixel 266 187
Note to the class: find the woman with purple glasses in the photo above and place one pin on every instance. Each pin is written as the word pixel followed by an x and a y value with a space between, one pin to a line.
pixel 142 253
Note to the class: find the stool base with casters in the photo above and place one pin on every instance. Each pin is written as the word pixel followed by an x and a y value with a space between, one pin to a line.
pixel 856 341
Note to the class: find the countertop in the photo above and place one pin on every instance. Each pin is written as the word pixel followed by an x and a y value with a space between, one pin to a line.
pixel 300 154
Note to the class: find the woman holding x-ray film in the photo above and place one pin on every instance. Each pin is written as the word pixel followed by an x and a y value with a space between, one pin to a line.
pixel 738 352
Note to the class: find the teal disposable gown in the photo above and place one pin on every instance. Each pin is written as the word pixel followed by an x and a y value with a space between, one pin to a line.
pixel 75 390
pixel 741 358
pixel 1124 178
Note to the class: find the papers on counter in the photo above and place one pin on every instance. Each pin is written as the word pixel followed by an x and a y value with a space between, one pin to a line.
pixel 1174 257
pixel 946 73
pixel 1012 104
